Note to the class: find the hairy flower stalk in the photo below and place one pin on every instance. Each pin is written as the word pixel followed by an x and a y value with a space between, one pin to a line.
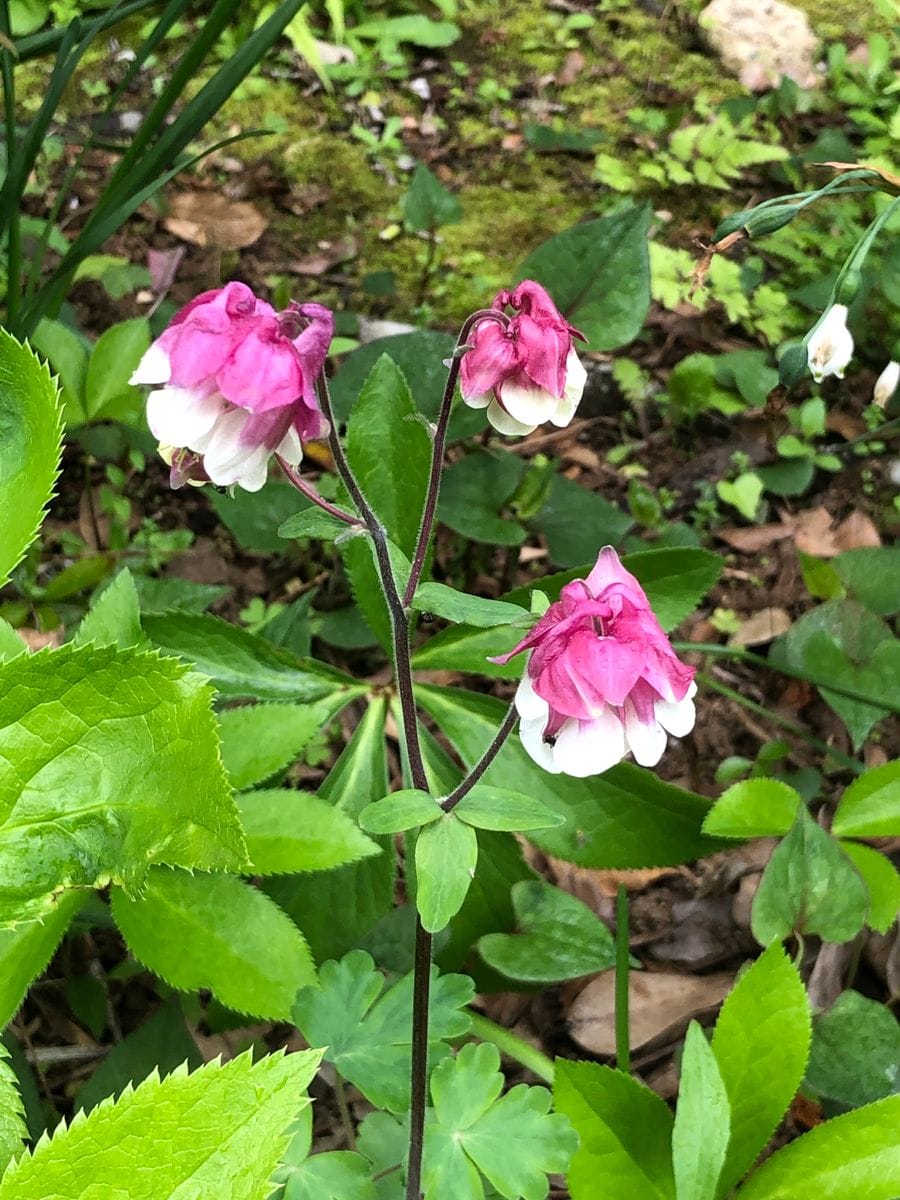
pixel 602 678
pixel 234 383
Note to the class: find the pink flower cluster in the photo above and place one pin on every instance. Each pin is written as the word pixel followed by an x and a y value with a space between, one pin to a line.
pixel 234 382
pixel 525 372
pixel 602 677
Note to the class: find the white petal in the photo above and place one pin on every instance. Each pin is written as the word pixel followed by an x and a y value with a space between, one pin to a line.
pixel 291 448
pixel 481 401
pixel 178 417
pixel 531 734
pixel 576 377
pixel 590 747
pixel 227 460
pixel 830 347
pixel 254 473
pixel 154 367
pixel 678 716
pixel 529 406
pixel 886 384
pixel 646 742
pixel 504 423
pixel 529 705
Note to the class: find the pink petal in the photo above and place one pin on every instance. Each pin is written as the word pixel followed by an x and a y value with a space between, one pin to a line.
pixel 492 357
pixel 263 371
pixel 543 349
pixel 608 569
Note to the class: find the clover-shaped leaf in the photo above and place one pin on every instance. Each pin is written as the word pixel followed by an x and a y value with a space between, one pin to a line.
pixel 367 1027
pixel 513 1141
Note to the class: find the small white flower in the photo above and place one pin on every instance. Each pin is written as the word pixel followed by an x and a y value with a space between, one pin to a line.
pixel 886 384
pixel 830 348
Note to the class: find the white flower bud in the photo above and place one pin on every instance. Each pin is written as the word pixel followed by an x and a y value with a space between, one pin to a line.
pixel 886 384
pixel 830 347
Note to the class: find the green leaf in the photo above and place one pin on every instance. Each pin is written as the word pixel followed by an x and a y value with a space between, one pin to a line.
pixel 474 492
pixel 447 602
pixel 254 518
pixel 115 767
pixel 113 360
pixel 428 204
pixel 761 1043
pixel 161 1044
pixel 30 441
pixel 870 807
pixel 599 275
pixel 693 387
pixel 209 931
pixel 626 817
pixel 558 937
pixel 219 1131
pixel 26 950
pixel 702 1120
pixel 577 521
pixel 871 575
pixel 13 1132
pixel 336 908
pixel 446 854
pixel 400 811
pixel 289 831
pixel 67 355
pixel 313 522
pixel 855 1055
pixel 753 808
pixel 334 1175
pixel 383 1140
pixel 367 1028
pixel 488 807
pixel 419 356
pixel 11 645
pixel 261 740
pixel 882 881
pixel 743 493
pixel 625 1131
pixel 790 477
pixel 240 663
pixel 114 618
pixel 809 886
pixel 513 1141
pixel 853 1157
pixel 158 595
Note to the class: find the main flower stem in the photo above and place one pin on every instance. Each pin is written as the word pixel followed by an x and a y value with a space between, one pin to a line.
pixel 437 453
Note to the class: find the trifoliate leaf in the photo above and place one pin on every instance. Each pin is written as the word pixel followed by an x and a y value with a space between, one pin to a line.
pixel 290 831
pixel 216 932
pixel 513 1141
pixel 218 1132
pixel 110 763
pixel 334 1175
pixel 367 1028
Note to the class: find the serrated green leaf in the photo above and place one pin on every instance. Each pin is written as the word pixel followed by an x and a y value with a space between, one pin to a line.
pixel 110 763
pixel 625 1131
pixel 447 602
pixel 114 618
pixel 336 908
pixel 290 831
pixel 855 1051
pixel 26 950
pixel 313 522
pixel 514 1141
pixel 11 645
pixel 870 807
pixel 753 808
pixel 761 1043
pixel 30 442
pixel 216 932
pixel 599 275
pixel 701 1130
pixel 367 1028
pixel 160 595
pixel 13 1132
pixel 882 880
pixel 626 817
pixel 400 811
pixel 488 807
pixel 260 740
pixel 113 360
pixel 853 1157
pixel 558 937
pixel 446 854
pixel 218 1132
pixel 809 886
pixel 239 663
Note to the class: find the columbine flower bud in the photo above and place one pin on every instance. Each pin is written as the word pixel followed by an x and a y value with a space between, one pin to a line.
pixel 830 346
pixel 602 678
pixel 235 383
pixel 886 384
pixel 526 372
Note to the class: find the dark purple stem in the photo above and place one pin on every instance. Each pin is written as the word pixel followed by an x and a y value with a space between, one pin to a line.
pixel 437 453
pixel 463 789
pixel 307 490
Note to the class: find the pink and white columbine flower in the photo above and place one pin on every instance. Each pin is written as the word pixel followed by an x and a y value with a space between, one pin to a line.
pixel 234 383
pixel 830 346
pixel 526 372
pixel 602 678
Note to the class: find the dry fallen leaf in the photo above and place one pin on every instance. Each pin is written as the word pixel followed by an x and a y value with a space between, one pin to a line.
pixel 39 639
pixel 763 626
pixel 814 533
pixel 887 176
pixel 858 530
pixel 328 255
pixel 661 1006
pixel 211 219
pixel 752 539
